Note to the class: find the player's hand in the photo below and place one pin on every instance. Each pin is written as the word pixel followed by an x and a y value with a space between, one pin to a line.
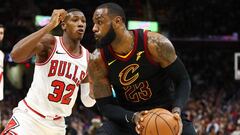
pixel 138 119
pixel 178 118
pixel 58 15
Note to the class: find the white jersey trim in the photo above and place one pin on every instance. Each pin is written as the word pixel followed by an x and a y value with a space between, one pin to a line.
pixel 73 56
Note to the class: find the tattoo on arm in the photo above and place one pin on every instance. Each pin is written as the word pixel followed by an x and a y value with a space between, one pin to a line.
pixel 98 76
pixel 163 48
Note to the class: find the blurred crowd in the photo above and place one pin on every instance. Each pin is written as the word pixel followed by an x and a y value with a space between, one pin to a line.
pixel 214 103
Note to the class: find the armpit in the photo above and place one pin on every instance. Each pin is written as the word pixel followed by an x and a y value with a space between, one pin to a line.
pixel 45 48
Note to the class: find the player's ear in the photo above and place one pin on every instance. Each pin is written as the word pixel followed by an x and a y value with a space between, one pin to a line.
pixel 63 26
pixel 117 21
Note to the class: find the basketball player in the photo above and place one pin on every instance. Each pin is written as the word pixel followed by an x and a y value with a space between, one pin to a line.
pixel 143 69
pixel 61 66
pixel 1 61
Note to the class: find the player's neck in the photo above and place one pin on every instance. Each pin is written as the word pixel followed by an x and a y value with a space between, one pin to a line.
pixel 123 43
pixel 72 46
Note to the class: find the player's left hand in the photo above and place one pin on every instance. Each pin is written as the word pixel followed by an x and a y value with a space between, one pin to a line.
pixel 178 118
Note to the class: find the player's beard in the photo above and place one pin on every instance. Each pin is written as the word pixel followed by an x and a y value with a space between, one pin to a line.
pixel 107 39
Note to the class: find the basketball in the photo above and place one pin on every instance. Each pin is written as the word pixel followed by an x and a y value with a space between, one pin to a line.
pixel 159 122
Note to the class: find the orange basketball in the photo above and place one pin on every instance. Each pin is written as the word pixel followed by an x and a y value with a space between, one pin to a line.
pixel 159 122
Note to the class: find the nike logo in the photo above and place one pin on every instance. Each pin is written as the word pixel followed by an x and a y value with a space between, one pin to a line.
pixel 139 55
pixel 110 63
pixel 57 52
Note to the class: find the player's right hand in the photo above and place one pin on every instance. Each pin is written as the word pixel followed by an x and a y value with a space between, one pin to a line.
pixel 178 118
pixel 138 119
pixel 58 15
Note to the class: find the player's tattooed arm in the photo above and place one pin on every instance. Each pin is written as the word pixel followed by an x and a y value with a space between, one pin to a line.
pixel 97 72
pixel 161 49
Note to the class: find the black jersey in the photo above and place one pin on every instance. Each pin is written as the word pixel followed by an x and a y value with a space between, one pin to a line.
pixel 139 83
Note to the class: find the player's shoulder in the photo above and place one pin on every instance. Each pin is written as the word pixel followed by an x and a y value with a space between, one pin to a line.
pixel 48 40
pixel 96 58
pixel 48 37
pixel 96 55
pixel 85 49
pixel 46 43
pixel 156 37
pixel 96 63
pixel 158 40
pixel 160 48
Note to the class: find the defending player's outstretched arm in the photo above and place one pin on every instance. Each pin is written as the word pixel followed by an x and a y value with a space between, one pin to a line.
pixel 31 44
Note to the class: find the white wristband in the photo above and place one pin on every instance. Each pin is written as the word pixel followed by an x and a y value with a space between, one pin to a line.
pixel 85 97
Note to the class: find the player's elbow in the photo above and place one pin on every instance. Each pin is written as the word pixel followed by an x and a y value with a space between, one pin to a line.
pixel 15 57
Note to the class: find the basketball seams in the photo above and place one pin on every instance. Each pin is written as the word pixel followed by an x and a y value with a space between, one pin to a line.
pixel 158 114
pixel 147 123
pixel 156 126
pixel 159 122
pixel 169 114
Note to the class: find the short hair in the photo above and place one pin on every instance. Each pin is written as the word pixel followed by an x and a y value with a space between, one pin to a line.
pixel 2 26
pixel 73 10
pixel 114 9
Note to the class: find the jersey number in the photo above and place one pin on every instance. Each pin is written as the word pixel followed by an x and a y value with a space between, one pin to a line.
pixel 59 88
pixel 138 92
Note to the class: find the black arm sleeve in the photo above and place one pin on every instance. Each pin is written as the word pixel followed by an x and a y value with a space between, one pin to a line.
pixel 182 83
pixel 114 112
